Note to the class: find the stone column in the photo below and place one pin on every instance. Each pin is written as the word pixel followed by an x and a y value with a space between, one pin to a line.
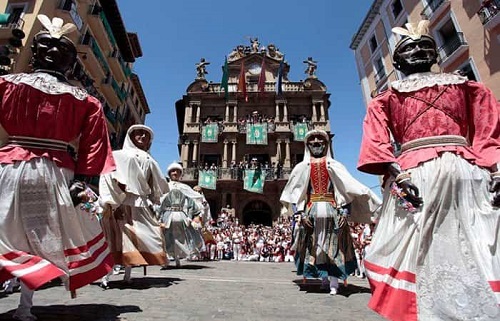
pixel 233 152
pixel 277 118
pixel 198 114
pixel 287 153
pixel 235 116
pixel 195 151
pixel 322 111
pixel 314 114
pixel 285 113
pixel 189 113
pixel 227 113
pixel 224 157
pixel 278 150
pixel 184 153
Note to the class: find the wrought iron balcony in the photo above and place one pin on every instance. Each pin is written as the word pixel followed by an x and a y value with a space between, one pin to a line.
pixel 489 9
pixel 432 7
pixel 237 174
pixel 451 45
pixel 380 75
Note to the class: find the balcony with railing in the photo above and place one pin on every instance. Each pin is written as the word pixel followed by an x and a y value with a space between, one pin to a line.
pixel 380 75
pixel 488 13
pixel 110 114
pixel 122 95
pixel 237 174
pixel 454 46
pixel 98 54
pixel 8 25
pixel 69 8
pixel 433 8
pixel 251 87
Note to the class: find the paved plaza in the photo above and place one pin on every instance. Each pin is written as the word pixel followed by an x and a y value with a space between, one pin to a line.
pixel 225 290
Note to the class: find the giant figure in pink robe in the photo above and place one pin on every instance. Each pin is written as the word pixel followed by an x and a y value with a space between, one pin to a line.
pixel 54 133
pixel 436 138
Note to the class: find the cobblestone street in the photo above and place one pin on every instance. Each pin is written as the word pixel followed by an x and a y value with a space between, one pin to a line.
pixel 225 290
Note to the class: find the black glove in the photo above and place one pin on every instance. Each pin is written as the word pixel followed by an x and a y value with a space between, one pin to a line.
pixel 411 192
pixel 77 192
pixel 495 189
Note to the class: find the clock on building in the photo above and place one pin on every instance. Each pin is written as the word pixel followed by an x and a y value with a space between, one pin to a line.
pixel 254 69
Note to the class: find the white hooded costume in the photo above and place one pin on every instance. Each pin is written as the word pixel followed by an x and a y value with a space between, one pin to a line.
pixel 131 228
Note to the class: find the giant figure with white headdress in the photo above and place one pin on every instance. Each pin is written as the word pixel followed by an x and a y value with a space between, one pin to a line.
pixel 57 139
pixel 435 252
pixel 180 212
pixel 324 197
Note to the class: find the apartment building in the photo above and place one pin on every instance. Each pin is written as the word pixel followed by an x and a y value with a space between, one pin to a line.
pixel 467 34
pixel 249 96
pixel 106 54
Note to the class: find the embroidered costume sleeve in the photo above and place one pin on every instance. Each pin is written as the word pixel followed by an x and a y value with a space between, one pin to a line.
pixel 485 124
pixel 465 109
pixel 376 149
pixel 32 110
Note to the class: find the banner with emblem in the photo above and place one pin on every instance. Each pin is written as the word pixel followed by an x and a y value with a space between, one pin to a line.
pixel 210 133
pixel 256 134
pixel 254 180
pixel 299 131
pixel 207 179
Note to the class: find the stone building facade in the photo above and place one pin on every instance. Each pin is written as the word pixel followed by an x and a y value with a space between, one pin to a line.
pixel 285 111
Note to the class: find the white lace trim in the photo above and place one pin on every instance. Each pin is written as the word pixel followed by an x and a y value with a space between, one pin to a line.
pixel 47 84
pixel 423 80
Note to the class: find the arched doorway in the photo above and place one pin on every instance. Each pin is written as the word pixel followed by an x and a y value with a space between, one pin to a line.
pixel 257 212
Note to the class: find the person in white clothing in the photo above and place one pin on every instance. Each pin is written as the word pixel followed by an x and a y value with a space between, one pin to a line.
pixel 128 194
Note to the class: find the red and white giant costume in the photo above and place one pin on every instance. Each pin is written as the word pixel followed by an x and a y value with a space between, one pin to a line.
pixel 442 260
pixel 43 236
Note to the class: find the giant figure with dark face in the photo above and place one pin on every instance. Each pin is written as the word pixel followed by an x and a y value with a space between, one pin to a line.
pixel 324 197
pixel 435 252
pixel 56 139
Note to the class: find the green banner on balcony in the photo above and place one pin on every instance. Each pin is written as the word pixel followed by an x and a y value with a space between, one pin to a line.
pixel 210 133
pixel 256 134
pixel 207 179
pixel 299 131
pixel 254 180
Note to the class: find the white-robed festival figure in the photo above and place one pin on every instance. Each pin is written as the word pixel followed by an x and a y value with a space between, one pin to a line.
pixel 206 215
pixel 128 195
pixel 206 221
pixel 56 133
pixel 435 252
pixel 324 197
pixel 180 212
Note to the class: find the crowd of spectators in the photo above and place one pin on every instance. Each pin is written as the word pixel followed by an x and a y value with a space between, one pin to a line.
pixel 256 118
pixel 230 240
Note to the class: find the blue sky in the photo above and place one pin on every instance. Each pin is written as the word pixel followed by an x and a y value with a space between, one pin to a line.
pixel 174 35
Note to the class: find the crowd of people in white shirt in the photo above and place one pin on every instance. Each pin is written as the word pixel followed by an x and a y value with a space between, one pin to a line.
pixel 227 239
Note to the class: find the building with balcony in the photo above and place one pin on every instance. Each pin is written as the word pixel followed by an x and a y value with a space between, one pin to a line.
pixel 106 54
pixel 467 34
pixel 279 111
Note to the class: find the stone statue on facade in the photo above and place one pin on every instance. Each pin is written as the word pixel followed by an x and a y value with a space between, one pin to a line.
pixel 201 70
pixel 237 53
pixel 311 67
pixel 274 52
